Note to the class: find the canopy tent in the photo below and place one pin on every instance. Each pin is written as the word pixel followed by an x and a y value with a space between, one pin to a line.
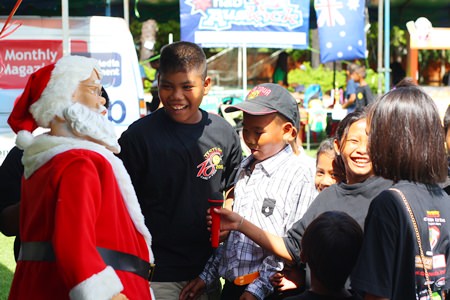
pixel 402 11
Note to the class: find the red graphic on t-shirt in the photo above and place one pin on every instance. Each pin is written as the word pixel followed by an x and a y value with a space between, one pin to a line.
pixel 213 162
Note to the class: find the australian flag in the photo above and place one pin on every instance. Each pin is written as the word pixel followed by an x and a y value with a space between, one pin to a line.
pixel 341 29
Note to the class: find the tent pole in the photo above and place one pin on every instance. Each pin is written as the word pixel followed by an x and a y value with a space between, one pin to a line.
pixel 387 31
pixel 239 67
pixel 334 75
pixel 380 47
pixel 108 8
pixel 126 12
pixel 65 26
pixel 244 69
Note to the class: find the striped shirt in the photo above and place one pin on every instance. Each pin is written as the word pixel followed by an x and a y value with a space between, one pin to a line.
pixel 273 196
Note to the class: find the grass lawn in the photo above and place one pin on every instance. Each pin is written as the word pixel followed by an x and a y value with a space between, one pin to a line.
pixel 7 265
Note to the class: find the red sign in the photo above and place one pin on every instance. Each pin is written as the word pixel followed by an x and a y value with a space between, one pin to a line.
pixel 20 58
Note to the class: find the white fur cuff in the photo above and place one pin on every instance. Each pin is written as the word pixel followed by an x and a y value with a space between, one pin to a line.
pixel 103 285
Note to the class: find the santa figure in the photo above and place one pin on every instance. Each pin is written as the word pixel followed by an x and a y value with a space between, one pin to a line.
pixel 83 234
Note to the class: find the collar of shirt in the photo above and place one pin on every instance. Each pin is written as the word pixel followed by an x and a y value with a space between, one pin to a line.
pixel 270 164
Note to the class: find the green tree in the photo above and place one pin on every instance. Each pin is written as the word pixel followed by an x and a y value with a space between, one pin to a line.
pixel 162 36
pixel 320 75
pixel 164 29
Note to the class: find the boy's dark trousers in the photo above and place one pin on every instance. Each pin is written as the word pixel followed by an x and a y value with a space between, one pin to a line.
pixel 231 291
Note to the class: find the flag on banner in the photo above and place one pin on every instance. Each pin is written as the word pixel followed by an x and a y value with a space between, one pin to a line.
pixel 341 29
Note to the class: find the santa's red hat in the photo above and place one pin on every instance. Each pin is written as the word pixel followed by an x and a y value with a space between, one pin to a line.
pixel 21 118
pixel 49 91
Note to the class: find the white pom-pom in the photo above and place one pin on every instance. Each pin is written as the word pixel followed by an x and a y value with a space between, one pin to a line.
pixel 24 139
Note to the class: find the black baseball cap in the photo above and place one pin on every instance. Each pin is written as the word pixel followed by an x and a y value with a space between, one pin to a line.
pixel 269 98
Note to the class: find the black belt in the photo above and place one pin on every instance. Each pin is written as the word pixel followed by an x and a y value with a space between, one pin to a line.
pixel 120 261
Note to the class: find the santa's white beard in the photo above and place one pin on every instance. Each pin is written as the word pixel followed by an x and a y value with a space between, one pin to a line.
pixel 87 123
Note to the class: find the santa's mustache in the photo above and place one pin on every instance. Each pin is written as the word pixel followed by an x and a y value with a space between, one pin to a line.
pixel 86 122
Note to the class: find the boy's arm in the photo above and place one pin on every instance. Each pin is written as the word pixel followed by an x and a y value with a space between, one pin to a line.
pixel 351 99
pixel 211 270
pixel 233 221
pixel 261 286
pixel 205 280
pixel 351 92
pixel 265 239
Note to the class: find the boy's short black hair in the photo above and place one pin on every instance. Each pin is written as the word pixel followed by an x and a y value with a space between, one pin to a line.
pixel 330 246
pixel 327 145
pixel 351 67
pixel 182 57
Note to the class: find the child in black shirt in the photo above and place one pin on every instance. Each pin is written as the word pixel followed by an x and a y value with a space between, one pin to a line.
pixel 364 95
pixel 330 247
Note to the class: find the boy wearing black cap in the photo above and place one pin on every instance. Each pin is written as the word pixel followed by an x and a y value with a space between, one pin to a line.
pixel 273 189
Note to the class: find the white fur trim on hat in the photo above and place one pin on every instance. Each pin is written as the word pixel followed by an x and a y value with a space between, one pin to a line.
pixel 103 285
pixel 64 80
pixel 24 139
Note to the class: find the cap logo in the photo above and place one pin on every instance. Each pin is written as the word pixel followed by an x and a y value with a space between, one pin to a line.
pixel 258 91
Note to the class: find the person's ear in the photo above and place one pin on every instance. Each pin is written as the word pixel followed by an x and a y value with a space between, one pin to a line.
pixel 336 147
pixel 207 85
pixel 289 132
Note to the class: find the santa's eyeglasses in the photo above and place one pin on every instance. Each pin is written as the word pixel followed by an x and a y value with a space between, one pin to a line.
pixel 95 89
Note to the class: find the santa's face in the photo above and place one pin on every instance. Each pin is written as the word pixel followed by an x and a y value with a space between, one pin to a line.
pixel 86 117
pixel 89 93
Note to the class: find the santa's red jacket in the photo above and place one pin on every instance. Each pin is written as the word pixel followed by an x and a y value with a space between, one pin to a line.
pixel 77 198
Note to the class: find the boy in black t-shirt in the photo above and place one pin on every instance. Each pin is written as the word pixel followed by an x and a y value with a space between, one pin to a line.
pixel 364 95
pixel 330 247
pixel 177 157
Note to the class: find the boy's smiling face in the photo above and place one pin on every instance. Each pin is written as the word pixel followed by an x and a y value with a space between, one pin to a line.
pixel 265 135
pixel 181 94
